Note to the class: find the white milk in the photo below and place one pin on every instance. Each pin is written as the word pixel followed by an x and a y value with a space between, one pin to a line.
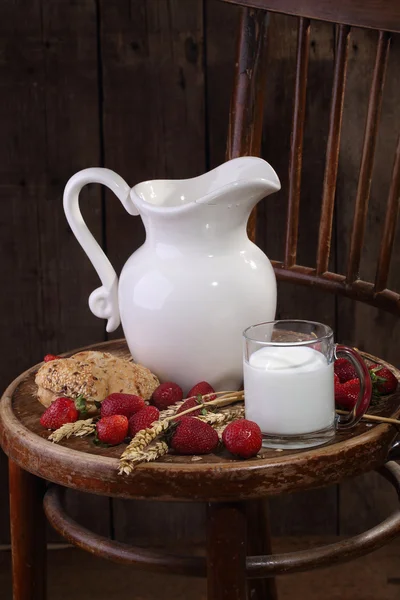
pixel 289 390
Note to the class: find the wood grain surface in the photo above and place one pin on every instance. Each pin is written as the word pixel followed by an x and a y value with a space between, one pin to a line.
pixel 50 121
pixel 143 87
pixel 83 575
pixel 361 13
pixel 153 126
pixel 80 464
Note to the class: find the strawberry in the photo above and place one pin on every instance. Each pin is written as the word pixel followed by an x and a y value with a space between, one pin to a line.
pixel 143 419
pixel 166 394
pixel 60 412
pixel 192 436
pixel 344 370
pixel 50 357
pixel 112 430
pixel 337 384
pixel 242 438
pixel 346 394
pixel 121 404
pixel 383 380
pixel 201 389
pixel 189 403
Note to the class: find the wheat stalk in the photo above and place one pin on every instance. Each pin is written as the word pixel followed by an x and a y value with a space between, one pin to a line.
pixel 229 415
pixel 373 418
pixel 220 430
pixel 78 429
pixel 152 452
pixel 213 418
pixel 142 439
pixel 171 411
pixel 222 417
pixel 226 399
pixel 235 412
pixel 138 447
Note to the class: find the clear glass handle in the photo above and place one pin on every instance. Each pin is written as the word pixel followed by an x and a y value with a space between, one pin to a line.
pixel 364 396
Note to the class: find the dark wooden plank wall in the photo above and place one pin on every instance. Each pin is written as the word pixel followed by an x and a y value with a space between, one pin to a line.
pixel 366 500
pixel 153 111
pixel 143 86
pixel 50 128
pixel 289 512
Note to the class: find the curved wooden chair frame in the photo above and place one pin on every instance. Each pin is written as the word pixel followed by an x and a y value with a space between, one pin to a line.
pixel 226 565
pixel 256 566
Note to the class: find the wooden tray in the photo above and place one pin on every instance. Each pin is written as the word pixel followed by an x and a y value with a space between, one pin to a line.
pixel 78 463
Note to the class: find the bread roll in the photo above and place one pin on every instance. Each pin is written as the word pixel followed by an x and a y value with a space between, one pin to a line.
pixel 93 375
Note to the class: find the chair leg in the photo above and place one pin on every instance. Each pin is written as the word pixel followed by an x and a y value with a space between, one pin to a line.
pixel 226 551
pixel 28 534
pixel 259 542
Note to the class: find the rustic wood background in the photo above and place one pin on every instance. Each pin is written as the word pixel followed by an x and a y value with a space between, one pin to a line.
pixel 142 87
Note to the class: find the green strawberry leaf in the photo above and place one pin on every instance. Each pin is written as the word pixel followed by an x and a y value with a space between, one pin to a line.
pixel 100 444
pixel 81 405
pixel 199 399
pixel 204 411
pixel 375 377
pixel 377 381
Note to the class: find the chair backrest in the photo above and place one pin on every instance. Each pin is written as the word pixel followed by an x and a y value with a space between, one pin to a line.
pixel 245 131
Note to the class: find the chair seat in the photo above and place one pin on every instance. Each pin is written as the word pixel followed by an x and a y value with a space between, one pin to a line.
pixel 78 463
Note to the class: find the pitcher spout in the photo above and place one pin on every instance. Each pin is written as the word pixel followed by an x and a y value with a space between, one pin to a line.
pixel 241 181
pixel 249 170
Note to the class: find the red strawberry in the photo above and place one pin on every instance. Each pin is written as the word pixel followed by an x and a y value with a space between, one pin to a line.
pixel 344 370
pixel 201 389
pixel 143 419
pixel 121 404
pixel 242 438
pixel 112 430
pixel 337 384
pixel 383 380
pixel 50 357
pixel 166 394
pixel 346 394
pixel 60 412
pixel 189 403
pixel 194 437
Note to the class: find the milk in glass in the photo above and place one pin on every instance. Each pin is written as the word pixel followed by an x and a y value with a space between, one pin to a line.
pixel 289 390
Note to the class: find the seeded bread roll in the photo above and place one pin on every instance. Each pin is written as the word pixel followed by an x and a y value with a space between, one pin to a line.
pixel 93 375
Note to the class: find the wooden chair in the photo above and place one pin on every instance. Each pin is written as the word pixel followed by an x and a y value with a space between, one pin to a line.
pixel 246 128
pixel 234 491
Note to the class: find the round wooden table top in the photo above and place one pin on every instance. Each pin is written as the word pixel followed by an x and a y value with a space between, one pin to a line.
pixel 78 463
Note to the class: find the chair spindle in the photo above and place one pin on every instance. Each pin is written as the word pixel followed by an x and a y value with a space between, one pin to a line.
pixel 367 158
pixel 389 229
pixel 332 152
pixel 296 142
pixel 247 108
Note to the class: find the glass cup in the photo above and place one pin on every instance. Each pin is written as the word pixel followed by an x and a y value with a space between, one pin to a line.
pixel 289 384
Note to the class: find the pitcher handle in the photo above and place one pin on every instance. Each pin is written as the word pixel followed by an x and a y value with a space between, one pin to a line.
pixel 103 301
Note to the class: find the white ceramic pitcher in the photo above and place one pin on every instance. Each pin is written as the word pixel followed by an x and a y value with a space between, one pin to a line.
pixel 197 282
